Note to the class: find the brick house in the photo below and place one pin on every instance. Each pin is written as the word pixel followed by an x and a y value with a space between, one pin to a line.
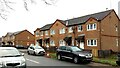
pixel 24 38
pixel 95 31
pixel 42 35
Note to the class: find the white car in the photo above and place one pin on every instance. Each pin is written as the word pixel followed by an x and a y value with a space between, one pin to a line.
pixel 35 50
pixel 11 57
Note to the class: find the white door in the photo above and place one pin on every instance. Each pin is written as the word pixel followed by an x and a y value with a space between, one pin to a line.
pixel 82 45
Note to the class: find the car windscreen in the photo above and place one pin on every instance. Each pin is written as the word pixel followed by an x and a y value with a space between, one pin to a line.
pixel 76 49
pixel 38 47
pixel 9 52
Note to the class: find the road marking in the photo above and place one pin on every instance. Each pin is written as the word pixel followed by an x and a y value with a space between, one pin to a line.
pixel 32 61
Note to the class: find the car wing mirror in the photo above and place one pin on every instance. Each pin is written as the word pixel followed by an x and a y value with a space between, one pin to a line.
pixel 70 50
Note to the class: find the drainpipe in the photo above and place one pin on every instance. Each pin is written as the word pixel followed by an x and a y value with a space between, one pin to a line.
pixel 100 34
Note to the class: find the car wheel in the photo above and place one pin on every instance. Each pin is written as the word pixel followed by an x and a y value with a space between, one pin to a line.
pixel 59 57
pixel 34 53
pixel 28 52
pixel 118 63
pixel 76 60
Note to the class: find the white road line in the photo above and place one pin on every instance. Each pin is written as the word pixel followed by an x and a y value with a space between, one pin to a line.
pixel 32 61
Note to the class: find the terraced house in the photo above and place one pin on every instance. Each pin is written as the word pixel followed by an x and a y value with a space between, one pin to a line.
pixel 94 31
pixel 24 38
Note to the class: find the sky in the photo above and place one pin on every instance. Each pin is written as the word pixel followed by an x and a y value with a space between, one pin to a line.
pixel 40 14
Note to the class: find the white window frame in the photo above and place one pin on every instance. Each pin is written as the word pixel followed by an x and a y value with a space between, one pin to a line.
pixel 52 43
pixel 41 33
pixel 91 26
pixel 117 42
pixel 46 32
pixel 80 28
pixel 70 30
pixel 91 42
pixel 37 33
pixel 61 43
pixel 52 32
pixel 62 31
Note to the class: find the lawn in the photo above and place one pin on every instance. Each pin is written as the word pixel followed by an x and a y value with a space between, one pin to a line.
pixel 111 60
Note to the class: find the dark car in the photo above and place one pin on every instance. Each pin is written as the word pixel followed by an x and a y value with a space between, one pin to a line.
pixel 74 53
pixel 118 59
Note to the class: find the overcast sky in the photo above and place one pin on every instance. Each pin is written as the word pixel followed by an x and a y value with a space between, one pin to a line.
pixel 40 14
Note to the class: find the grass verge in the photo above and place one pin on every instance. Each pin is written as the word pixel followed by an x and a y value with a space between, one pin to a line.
pixel 111 60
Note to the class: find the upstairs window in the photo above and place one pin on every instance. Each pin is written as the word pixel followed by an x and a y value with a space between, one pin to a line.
pixel 41 33
pixel 79 28
pixel 62 31
pixel 91 27
pixel 70 30
pixel 46 32
pixel 52 32
pixel 37 33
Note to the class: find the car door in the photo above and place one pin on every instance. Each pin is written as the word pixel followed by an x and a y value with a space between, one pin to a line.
pixel 31 50
pixel 69 53
pixel 63 51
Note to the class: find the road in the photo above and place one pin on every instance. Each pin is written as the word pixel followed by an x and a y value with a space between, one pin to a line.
pixel 39 61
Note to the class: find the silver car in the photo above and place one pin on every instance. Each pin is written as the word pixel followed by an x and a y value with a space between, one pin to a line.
pixel 11 57
pixel 35 50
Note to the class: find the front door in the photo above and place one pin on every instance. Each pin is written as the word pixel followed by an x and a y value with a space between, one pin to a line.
pixel 82 45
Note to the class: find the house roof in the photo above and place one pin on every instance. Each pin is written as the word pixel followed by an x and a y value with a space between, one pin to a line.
pixel 46 27
pixel 9 34
pixel 15 33
pixel 81 20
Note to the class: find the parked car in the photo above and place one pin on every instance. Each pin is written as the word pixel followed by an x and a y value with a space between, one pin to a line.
pixel 118 59
pixel 11 57
pixel 19 46
pixel 74 53
pixel 35 50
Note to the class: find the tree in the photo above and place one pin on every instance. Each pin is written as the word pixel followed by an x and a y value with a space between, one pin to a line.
pixel 5 6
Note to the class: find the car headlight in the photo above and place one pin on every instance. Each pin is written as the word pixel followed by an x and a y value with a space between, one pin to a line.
pixel 23 61
pixel 1 64
pixel 81 55
pixel 89 55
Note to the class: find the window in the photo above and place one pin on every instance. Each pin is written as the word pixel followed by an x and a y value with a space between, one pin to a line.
pixel 116 28
pixel 28 37
pixel 52 43
pixel 70 30
pixel 91 42
pixel 62 31
pixel 79 28
pixel 13 37
pixel 61 43
pixel 37 33
pixel 116 42
pixel 41 33
pixel 46 32
pixel 52 32
pixel 91 26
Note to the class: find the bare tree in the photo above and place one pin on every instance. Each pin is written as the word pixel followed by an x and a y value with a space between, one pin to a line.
pixel 5 6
